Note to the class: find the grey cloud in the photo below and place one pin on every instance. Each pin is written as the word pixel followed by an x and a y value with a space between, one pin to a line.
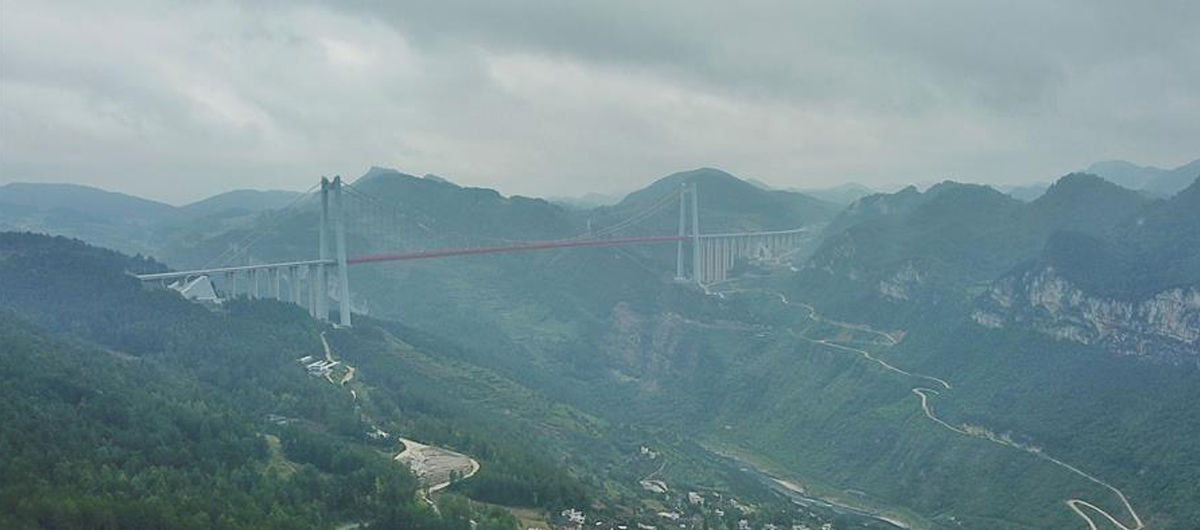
pixel 180 100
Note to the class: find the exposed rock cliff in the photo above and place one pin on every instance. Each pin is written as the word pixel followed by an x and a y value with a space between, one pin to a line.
pixel 1164 327
pixel 903 283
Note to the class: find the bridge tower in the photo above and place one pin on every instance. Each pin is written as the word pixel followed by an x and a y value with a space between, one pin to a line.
pixel 332 219
pixel 688 195
pixel 320 304
pixel 339 226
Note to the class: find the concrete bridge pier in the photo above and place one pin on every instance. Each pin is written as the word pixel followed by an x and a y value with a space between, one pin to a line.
pixel 294 283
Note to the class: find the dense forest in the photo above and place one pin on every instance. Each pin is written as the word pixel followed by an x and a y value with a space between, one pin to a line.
pixel 132 408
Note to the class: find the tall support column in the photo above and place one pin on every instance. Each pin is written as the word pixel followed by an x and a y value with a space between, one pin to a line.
pixel 275 273
pixel 229 285
pixel 254 273
pixel 322 288
pixel 314 287
pixel 339 226
pixel 718 273
pixel 294 283
pixel 729 243
pixel 721 258
pixel 682 228
pixel 718 259
pixel 697 264
pixel 711 267
pixel 710 260
pixel 727 258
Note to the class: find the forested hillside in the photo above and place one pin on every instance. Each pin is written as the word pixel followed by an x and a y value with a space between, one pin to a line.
pixel 154 412
pixel 894 259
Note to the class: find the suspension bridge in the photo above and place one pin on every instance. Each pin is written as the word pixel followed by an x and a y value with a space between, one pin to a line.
pixel 387 232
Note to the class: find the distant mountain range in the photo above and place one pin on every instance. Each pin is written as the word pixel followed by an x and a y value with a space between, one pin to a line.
pixel 886 251
pixel 238 202
pixel 1153 181
pixel 120 221
pixel 588 200
pixel 841 194
pixel 81 201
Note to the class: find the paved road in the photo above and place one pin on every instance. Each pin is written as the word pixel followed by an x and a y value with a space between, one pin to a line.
pixel 1076 505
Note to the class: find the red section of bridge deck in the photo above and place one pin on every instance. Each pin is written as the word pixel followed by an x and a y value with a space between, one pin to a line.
pixel 539 245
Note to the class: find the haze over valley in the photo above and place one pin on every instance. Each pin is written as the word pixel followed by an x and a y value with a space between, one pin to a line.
pixel 444 266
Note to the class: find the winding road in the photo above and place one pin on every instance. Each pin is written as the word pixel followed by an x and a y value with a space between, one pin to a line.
pixel 432 465
pixel 1074 504
pixel 1078 506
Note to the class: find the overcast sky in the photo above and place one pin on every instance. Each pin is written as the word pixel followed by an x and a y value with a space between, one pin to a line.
pixel 179 101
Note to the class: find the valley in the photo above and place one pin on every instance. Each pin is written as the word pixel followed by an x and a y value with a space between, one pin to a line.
pixel 834 382
pixel 924 395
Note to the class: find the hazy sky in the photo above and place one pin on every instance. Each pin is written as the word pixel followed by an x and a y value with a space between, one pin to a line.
pixel 176 101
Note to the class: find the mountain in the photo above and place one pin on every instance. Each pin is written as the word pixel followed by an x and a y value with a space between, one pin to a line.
pixel 451 209
pixel 907 253
pixel 201 409
pixel 238 202
pixel 759 184
pixel 730 204
pixel 1084 202
pixel 1022 331
pixel 1134 290
pixel 230 425
pixel 841 194
pixel 106 375
pixel 84 201
pixel 1026 192
pixel 588 201
pixel 130 224
pixel 1156 181
pixel 104 217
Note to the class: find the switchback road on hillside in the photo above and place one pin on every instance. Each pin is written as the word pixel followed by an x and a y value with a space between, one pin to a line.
pixel 888 339
pixel 1078 506
pixel 1074 504
pixel 433 466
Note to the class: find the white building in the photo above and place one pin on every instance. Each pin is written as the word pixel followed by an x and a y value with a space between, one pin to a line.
pixel 575 516
pixel 199 289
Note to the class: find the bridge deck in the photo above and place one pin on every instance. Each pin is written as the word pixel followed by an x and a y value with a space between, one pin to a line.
pixel 444 253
